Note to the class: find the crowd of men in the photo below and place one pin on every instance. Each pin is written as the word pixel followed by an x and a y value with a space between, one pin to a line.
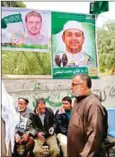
pixel 75 130
pixel 40 127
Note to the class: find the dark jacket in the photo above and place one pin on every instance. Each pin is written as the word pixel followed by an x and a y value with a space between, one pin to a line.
pixel 62 121
pixel 85 131
pixel 34 124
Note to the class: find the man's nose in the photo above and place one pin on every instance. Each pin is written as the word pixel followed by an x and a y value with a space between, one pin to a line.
pixel 74 39
pixel 34 24
pixel 71 87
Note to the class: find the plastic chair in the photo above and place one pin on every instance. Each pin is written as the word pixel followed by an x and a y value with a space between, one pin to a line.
pixel 111 122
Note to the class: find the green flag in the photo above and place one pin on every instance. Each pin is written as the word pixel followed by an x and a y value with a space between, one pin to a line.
pixel 11 19
pixel 3 24
pixel 98 7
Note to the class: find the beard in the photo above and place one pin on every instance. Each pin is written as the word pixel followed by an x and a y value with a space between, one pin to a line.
pixel 77 93
pixel 34 33
pixel 75 50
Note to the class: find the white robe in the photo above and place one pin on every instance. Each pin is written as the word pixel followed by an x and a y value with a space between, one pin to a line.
pixel 76 59
pixel 10 116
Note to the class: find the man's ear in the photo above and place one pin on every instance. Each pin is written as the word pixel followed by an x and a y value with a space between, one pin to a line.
pixel 63 37
pixel 83 39
pixel 83 86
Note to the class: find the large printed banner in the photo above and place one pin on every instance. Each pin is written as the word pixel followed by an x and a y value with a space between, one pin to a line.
pixel 25 29
pixel 73 45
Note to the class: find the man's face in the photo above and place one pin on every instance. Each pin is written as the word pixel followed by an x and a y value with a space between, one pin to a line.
pixel 73 39
pixel 22 105
pixel 33 25
pixel 77 87
pixel 41 108
pixel 66 105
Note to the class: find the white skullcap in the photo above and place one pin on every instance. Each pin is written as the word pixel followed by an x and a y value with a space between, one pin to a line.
pixel 73 25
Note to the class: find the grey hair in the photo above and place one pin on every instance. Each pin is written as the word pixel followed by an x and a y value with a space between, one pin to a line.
pixel 85 77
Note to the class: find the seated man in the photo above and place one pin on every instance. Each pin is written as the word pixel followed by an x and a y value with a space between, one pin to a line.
pixel 41 125
pixel 63 116
pixel 24 144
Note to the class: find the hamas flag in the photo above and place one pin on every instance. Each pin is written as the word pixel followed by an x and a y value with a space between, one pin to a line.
pixel 11 19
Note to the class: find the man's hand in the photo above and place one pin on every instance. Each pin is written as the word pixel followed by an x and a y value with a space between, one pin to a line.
pixel 17 138
pixel 51 131
pixel 25 137
pixel 41 136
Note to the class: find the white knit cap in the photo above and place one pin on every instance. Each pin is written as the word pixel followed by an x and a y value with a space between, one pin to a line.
pixel 73 25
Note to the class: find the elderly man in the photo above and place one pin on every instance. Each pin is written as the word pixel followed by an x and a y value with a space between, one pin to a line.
pixel 73 38
pixel 86 127
pixel 41 125
pixel 24 143
pixel 33 22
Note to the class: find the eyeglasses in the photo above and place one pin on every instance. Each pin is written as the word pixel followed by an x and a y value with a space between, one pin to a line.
pixel 75 84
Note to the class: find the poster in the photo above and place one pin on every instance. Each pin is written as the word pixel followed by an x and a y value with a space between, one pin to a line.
pixel 25 29
pixel 73 45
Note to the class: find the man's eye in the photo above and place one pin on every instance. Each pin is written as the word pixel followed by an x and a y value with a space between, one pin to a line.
pixel 37 23
pixel 30 22
pixel 77 34
pixel 69 34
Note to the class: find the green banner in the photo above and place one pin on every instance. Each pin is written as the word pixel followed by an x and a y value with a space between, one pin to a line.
pixel 67 73
pixel 73 44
